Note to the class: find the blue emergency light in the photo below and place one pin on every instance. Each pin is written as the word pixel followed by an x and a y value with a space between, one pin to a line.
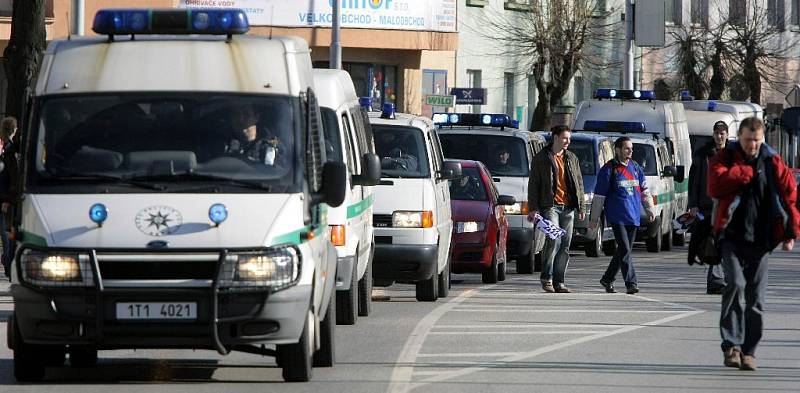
pixel 625 94
pixel 613 126
pixel 219 21
pixel 217 213
pixel 712 106
pixel 474 120
pixel 365 102
pixel 98 213
pixel 387 111
pixel 686 95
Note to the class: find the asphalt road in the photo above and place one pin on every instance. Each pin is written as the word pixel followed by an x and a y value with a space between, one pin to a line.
pixel 509 337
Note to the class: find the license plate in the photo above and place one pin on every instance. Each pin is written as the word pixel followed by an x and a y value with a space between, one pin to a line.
pixel 157 310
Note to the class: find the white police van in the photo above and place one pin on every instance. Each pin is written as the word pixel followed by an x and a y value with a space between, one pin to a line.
pixel 348 138
pixel 637 111
pixel 166 201
pixel 507 152
pixel 702 114
pixel 412 215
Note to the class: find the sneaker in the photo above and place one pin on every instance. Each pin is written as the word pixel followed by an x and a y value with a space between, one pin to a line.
pixel 732 357
pixel 748 363
pixel 547 286
pixel 562 289
pixel 631 289
pixel 608 286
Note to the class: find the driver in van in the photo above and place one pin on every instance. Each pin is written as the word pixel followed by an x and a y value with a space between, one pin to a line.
pixel 502 163
pixel 249 141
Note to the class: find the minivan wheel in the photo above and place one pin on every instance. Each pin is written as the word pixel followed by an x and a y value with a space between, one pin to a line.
pixel 325 356
pixel 654 243
pixel 594 247
pixel 427 290
pixel 666 242
pixel 347 301
pixel 29 359
pixel 365 291
pixel 525 263
pixel 296 359
pixel 444 281
pixel 490 276
pixel 678 239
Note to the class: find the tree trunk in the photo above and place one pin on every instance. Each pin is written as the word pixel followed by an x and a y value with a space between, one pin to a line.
pixel 717 84
pixel 752 77
pixel 23 55
pixel 543 114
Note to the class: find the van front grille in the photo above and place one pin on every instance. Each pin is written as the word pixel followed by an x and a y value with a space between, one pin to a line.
pixel 382 220
pixel 158 270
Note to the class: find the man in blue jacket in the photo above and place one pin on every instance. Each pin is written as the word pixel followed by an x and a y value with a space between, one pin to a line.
pixel 621 191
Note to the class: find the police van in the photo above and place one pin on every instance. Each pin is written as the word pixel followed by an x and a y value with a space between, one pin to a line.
pixel 168 201
pixel 637 111
pixel 507 152
pixel 412 216
pixel 702 114
pixel 348 138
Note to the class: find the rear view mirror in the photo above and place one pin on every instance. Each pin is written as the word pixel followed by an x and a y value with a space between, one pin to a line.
pixel 450 170
pixel 669 171
pixel 506 200
pixel 370 171
pixel 680 173
pixel 334 183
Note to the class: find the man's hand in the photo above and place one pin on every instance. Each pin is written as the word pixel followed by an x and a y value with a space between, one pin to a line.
pixel 788 245
pixel 581 216
pixel 532 215
pixel 650 216
pixel 693 211
pixel 743 172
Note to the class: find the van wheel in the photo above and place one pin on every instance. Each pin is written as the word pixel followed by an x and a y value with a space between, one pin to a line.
pixel 678 239
pixel 29 359
pixel 427 290
pixel 501 272
pixel 295 359
pixel 326 354
pixel 654 243
pixel 82 356
pixel 347 301
pixel 537 262
pixel 490 275
pixel 666 242
pixel 594 247
pixel 525 263
pixel 444 281
pixel 365 291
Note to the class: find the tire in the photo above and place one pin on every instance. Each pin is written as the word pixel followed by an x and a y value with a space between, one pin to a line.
pixel 82 357
pixel 29 362
pixel 525 263
pixel 654 243
pixel 365 291
pixel 427 290
pixel 678 239
pixel 666 241
pixel 296 359
pixel 501 272
pixel 491 276
pixel 594 247
pixel 444 281
pixel 325 356
pixel 537 262
pixel 347 301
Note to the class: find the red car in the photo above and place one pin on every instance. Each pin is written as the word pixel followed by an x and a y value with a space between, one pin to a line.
pixel 480 228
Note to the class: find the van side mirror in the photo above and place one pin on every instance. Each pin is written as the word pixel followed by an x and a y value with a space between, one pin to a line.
pixel 506 200
pixel 680 173
pixel 334 183
pixel 450 170
pixel 370 171
pixel 669 171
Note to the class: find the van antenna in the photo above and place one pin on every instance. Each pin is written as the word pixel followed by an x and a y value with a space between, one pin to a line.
pixel 271 19
pixel 69 31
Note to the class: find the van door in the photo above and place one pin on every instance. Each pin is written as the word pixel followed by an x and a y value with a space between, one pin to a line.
pixel 443 213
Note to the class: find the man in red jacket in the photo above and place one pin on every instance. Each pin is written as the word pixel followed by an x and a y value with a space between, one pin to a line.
pixel 755 210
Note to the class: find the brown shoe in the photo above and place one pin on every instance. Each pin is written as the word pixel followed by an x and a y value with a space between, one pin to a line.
pixel 562 289
pixel 748 363
pixel 732 357
pixel 548 287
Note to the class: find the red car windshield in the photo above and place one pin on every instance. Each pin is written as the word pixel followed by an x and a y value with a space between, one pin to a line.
pixel 468 187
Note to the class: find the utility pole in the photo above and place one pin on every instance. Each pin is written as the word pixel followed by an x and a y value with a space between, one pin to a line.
pixel 336 44
pixel 629 56
pixel 78 17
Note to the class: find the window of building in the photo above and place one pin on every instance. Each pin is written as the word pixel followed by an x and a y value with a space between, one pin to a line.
pixel 737 12
pixel 673 12
pixel 474 82
pixel 795 13
pixel 577 89
pixel 509 98
pixel 371 80
pixel 700 12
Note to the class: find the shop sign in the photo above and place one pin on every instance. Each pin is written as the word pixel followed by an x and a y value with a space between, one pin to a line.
pixel 423 15
pixel 471 96
pixel 434 100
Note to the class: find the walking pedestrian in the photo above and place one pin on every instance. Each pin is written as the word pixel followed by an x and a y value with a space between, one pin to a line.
pixel 620 194
pixel 8 130
pixel 700 202
pixel 755 196
pixel 555 187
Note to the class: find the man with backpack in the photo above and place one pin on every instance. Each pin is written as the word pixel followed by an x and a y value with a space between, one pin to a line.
pixel 621 192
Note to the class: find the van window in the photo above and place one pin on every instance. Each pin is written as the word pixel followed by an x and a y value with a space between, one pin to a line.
pixel 436 149
pixel 502 155
pixel 586 157
pixel 366 143
pixel 468 187
pixel 402 151
pixel 645 155
pixel 169 139
pixel 349 145
pixel 333 143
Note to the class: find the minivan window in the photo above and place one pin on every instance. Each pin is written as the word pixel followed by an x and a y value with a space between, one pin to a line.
pixel 645 155
pixel 333 150
pixel 502 155
pixel 402 151
pixel 586 155
pixel 111 142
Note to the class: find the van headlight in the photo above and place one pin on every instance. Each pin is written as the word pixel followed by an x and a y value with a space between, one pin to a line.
pixel 469 226
pixel 275 268
pixel 412 219
pixel 56 269
pixel 517 208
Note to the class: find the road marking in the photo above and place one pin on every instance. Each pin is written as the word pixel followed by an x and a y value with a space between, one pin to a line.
pixel 467 355
pixel 504 333
pixel 532 325
pixel 569 311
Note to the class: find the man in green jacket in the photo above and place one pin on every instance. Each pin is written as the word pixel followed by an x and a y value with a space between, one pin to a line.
pixel 555 191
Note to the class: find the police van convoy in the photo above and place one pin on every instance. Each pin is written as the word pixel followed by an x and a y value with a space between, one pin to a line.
pixel 507 152
pixel 412 215
pixel 196 219
pixel 702 114
pixel 637 112
pixel 348 138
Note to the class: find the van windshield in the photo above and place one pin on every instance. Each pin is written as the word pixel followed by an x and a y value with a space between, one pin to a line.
pixel 503 155
pixel 401 150
pixel 586 155
pixel 645 155
pixel 236 142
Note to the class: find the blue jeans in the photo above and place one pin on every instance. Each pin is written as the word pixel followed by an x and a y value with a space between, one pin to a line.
pixel 622 259
pixel 741 321
pixel 555 255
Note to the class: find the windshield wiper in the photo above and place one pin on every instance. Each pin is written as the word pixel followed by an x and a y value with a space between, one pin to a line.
pixel 106 178
pixel 204 176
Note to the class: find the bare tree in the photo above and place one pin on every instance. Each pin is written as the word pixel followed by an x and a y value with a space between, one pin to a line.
pixel 554 40
pixel 23 55
pixel 690 53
